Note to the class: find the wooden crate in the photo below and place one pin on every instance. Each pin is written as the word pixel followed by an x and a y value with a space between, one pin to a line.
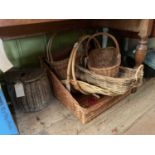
pixel 74 103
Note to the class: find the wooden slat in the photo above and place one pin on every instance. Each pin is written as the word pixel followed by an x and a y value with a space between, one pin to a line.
pixel 43 27
pixel 119 24
pixel 21 27
pixel 16 22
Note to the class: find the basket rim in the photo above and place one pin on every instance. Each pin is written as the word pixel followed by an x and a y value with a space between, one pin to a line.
pixel 108 77
pixel 106 68
pixel 58 61
pixel 105 48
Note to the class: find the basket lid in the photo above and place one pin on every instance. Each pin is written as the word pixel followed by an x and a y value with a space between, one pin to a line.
pixel 25 75
pixel 32 75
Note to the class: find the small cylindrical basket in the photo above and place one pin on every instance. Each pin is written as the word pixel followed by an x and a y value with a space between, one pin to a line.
pixel 29 89
pixel 104 61
pixel 59 66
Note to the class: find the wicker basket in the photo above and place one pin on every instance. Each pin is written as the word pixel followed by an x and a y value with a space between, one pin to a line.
pixel 90 83
pixel 60 66
pixel 35 91
pixel 104 61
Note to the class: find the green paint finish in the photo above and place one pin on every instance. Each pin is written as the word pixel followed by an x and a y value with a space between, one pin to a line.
pixel 63 40
pixel 11 51
pixel 25 52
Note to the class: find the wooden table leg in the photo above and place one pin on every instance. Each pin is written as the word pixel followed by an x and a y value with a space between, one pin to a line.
pixel 140 52
pixel 145 31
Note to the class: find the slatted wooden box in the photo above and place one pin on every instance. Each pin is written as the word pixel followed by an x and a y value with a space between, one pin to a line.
pixel 78 105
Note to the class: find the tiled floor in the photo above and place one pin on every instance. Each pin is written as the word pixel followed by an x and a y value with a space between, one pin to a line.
pixel 133 115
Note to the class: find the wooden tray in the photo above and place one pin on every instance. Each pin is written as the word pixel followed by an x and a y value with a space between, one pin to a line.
pixel 83 107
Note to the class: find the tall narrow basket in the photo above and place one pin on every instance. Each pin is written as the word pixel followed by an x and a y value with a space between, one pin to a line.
pixel 59 66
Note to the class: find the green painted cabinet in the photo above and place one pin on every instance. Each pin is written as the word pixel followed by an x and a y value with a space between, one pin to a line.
pixel 25 52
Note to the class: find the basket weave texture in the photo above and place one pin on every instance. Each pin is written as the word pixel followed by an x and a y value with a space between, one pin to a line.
pixel 88 82
pixel 104 61
pixel 59 66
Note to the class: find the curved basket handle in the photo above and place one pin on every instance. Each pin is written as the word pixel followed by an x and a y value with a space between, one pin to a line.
pixel 48 49
pixel 71 64
pixel 96 43
pixel 138 71
pixel 138 76
pixel 106 34
pixel 47 53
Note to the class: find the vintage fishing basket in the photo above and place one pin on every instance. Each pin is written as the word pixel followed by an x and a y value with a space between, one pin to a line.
pixel 59 66
pixel 88 82
pixel 29 89
pixel 104 61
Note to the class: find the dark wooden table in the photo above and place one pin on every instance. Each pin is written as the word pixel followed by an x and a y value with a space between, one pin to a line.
pixel 21 27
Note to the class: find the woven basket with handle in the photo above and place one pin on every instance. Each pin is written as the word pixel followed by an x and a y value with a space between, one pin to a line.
pixel 59 66
pixel 88 82
pixel 104 61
